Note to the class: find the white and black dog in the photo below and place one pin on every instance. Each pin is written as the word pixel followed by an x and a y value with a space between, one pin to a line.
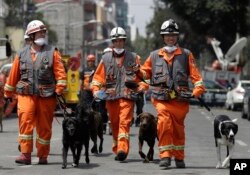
pixel 225 130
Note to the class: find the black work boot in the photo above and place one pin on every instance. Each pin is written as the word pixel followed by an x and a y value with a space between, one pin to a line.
pixel 180 163
pixel 165 162
pixel 121 155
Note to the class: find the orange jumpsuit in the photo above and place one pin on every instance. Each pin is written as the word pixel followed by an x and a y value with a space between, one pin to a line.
pixel 35 111
pixel 12 104
pixel 120 110
pixel 171 114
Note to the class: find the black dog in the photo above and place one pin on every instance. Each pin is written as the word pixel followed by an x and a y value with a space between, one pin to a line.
pixel 75 135
pixel 225 130
pixel 148 133
pixel 96 129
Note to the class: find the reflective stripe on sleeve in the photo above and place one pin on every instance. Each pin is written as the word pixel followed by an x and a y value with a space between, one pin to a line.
pixel 198 83
pixel 61 82
pixel 9 88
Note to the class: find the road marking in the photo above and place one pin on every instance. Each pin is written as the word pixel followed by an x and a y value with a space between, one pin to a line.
pixel 241 143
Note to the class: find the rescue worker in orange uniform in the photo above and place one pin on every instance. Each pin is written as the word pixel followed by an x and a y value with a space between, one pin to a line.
pixel 113 73
pixel 37 76
pixel 2 100
pixel 86 92
pixel 11 104
pixel 168 69
pixel 86 76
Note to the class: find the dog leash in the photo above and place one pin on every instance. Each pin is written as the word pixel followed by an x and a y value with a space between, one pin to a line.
pixel 62 105
pixel 189 95
pixel 202 102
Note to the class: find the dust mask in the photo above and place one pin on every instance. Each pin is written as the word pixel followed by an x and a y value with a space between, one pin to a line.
pixel 40 41
pixel 118 51
pixel 170 49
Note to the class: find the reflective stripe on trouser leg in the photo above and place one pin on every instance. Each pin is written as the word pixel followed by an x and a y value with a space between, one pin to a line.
pixel 113 110
pixel 45 113
pixel 26 119
pixel 170 127
pixel 126 115
pixel 120 114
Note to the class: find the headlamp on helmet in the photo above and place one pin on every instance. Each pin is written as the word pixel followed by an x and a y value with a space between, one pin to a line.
pixel 118 32
pixel 169 27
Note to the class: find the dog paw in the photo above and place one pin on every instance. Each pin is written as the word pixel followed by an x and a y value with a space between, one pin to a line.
pixel 218 166
pixel 87 160
pixel 100 149
pixel 94 150
pixel 74 165
pixel 146 160
pixel 64 166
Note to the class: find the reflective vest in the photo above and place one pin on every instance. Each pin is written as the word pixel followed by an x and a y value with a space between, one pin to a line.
pixel 117 76
pixel 169 80
pixel 37 77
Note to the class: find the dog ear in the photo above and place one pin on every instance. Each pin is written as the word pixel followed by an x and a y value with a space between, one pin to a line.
pixel 139 116
pixel 235 120
pixel 235 129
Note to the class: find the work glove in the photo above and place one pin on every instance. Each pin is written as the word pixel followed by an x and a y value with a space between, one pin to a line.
pixel 8 99
pixel 136 68
pixel 186 94
pixel 100 95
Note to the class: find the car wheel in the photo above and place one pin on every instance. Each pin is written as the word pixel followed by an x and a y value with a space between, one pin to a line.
pixel 243 114
pixel 227 106
pixel 248 117
pixel 233 107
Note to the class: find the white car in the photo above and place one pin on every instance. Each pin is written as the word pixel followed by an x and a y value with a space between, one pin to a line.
pixel 235 96
pixel 6 67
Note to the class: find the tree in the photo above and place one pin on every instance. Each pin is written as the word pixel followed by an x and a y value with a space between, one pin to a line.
pixel 220 19
pixel 19 18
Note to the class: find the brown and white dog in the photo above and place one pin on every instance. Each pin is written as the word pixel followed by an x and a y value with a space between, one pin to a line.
pixel 148 133
pixel 225 130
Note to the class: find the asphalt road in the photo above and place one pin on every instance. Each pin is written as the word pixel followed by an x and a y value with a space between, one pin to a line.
pixel 200 150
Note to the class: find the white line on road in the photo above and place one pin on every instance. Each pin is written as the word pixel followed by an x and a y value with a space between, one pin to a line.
pixel 241 143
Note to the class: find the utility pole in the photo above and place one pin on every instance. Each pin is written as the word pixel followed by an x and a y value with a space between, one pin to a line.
pixel 24 11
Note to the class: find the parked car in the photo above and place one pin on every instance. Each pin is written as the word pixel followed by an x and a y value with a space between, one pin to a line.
pixel 6 67
pixel 235 95
pixel 246 105
pixel 215 94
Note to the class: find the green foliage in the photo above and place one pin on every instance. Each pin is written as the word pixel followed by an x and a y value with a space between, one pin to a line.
pixel 220 19
pixel 197 20
pixel 20 19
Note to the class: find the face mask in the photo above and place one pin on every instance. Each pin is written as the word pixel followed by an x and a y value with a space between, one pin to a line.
pixel 40 41
pixel 118 51
pixel 170 49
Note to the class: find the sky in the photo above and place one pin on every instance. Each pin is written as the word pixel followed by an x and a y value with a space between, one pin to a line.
pixel 142 11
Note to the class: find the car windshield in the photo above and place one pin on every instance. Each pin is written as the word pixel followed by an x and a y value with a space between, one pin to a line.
pixel 208 85
pixel 211 85
pixel 245 85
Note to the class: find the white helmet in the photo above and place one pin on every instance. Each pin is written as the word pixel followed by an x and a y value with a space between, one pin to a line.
pixel 35 26
pixel 169 27
pixel 117 32
pixel 26 36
